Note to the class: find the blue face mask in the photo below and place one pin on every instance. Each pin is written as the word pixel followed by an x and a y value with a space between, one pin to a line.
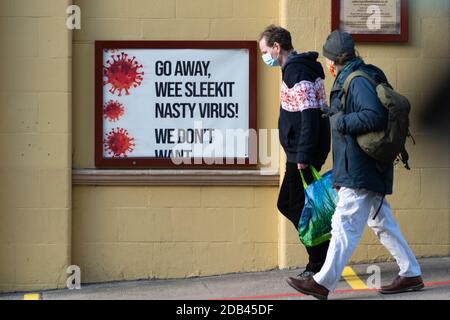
pixel 270 61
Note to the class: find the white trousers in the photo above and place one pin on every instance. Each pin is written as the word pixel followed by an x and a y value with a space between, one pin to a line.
pixel 354 209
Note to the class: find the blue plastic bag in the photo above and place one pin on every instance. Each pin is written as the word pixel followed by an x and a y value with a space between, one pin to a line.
pixel 314 226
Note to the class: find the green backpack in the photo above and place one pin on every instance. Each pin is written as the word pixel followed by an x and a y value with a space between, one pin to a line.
pixel 386 146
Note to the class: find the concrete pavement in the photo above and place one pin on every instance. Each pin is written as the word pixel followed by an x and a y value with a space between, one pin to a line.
pixel 269 285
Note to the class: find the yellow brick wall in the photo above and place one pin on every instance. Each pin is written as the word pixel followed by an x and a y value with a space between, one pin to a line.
pixel 164 20
pixel 166 232
pixel 35 139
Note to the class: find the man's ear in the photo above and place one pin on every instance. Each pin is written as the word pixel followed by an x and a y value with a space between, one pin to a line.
pixel 277 46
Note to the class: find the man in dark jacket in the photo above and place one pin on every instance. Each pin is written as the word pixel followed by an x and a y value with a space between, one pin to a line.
pixel 304 133
pixel 362 181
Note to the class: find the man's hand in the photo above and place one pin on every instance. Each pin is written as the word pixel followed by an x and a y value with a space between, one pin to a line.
pixel 302 166
pixel 328 112
pixel 334 113
pixel 334 121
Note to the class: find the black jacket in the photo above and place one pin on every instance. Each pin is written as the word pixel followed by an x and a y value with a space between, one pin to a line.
pixel 352 167
pixel 304 135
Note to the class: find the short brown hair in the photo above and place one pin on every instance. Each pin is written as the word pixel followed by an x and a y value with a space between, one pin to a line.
pixel 277 34
pixel 342 59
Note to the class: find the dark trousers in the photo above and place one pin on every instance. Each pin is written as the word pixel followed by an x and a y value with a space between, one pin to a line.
pixel 290 203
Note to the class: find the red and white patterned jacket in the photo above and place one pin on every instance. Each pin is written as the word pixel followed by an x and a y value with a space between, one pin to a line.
pixel 304 134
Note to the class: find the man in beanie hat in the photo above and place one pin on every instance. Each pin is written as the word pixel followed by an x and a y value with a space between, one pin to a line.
pixel 361 181
pixel 304 135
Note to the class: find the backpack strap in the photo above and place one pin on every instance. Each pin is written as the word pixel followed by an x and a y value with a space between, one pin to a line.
pixel 404 157
pixel 349 80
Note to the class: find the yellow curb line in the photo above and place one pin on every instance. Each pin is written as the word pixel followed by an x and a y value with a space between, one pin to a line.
pixel 353 280
pixel 32 296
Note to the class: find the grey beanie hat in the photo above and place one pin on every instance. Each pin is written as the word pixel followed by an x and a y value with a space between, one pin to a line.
pixel 338 43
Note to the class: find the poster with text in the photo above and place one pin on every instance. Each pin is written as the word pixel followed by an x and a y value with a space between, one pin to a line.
pixel 166 103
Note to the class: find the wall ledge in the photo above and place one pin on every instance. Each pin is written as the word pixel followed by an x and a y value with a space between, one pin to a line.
pixel 92 177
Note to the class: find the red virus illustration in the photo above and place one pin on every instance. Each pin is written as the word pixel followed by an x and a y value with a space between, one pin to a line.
pixel 118 143
pixel 113 110
pixel 122 73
